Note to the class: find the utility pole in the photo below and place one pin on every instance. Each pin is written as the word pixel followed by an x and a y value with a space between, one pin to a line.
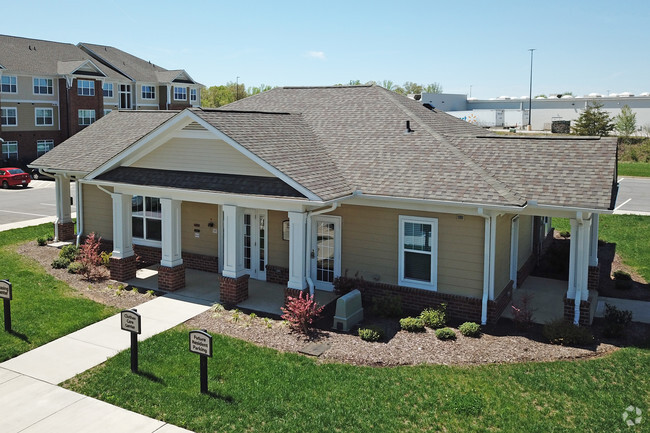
pixel 530 93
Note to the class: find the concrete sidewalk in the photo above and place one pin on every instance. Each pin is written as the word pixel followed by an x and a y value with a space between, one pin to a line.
pixel 31 402
pixel 640 309
pixel 30 223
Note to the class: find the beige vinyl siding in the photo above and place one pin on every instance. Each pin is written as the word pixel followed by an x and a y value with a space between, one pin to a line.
pixel 207 156
pixel 525 248
pixel 26 90
pixel 370 247
pixel 278 249
pixel 26 113
pixel 98 211
pixel 502 258
pixel 198 216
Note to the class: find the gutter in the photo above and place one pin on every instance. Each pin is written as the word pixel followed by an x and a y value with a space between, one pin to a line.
pixel 80 210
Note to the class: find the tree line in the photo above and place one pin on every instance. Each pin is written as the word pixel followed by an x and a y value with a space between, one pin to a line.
pixel 217 96
pixel 595 121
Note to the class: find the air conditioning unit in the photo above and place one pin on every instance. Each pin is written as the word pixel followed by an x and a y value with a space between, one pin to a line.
pixel 349 311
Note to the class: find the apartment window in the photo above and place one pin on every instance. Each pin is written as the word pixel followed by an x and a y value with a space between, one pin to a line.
pixel 85 88
pixel 107 89
pixel 8 116
pixel 44 116
pixel 9 84
pixel 418 252
pixel 10 150
pixel 193 95
pixel 180 93
pixel 86 117
pixel 148 92
pixel 44 146
pixel 146 218
pixel 43 86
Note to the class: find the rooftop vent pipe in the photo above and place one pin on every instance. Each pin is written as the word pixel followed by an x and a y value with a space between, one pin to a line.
pixel 408 127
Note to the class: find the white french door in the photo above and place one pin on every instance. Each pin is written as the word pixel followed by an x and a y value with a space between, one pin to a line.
pixel 325 251
pixel 255 241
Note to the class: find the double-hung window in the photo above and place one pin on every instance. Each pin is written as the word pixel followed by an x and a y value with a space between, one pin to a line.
pixel 44 146
pixel 86 117
pixel 193 95
pixel 418 252
pixel 146 218
pixel 148 92
pixel 10 150
pixel 107 90
pixel 9 84
pixel 85 88
pixel 43 86
pixel 180 93
pixel 9 116
pixel 44 116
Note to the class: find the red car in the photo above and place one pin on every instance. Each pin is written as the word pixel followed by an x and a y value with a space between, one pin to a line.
pixel 12 176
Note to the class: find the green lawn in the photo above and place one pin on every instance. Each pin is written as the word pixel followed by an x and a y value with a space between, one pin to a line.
pixel 261 390
pixel 631 233
pixel 634 169
pixel 42 308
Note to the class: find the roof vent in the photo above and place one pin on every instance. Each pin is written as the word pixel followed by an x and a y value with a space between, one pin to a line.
pixel 408 127
pixel 429 106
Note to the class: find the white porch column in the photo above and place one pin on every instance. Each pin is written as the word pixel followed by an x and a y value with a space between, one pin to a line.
pixel 122 228
pixel 233 252
pixel 297 250
pixel 571 290
pixel 593 247
pixel 579 258
pixel 62 189
pixel 171 233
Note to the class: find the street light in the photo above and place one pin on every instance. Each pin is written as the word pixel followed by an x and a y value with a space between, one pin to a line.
pixel 237 89
pixel 530 94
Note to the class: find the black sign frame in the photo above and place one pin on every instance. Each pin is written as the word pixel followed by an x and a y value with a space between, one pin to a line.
pixel 138 321
pixel 8 288
pixel 203 334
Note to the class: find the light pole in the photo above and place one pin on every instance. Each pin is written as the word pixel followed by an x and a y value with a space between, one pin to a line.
pixel 530 92
pixel 237 89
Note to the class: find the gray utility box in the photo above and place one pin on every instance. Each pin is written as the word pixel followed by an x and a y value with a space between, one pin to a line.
pixel 349 311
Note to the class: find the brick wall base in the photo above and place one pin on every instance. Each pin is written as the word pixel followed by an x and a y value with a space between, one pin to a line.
pixel 123 269
pixel 593 281
pixel 151 255
pixel 526 269
pixel 585 311
pixel 232 291
pixel 66 231
pixel 498 306
pixel 277 274
pixel 171 278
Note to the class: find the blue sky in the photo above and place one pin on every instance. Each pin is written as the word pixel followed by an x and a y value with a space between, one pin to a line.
pixel 582 46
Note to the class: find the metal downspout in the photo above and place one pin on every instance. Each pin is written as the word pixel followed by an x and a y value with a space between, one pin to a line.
pixel 80 211
pixel 486 265
pixel 310 283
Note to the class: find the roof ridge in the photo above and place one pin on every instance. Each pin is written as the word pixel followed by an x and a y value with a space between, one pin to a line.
pixel 495 183
pixel 233 110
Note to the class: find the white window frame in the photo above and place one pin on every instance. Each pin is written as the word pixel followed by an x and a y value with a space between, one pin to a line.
pixel 107 90
pixel 36 116
pixel 85 87
pixel 12 83
pixel 48 143
pixel 151 91
pixel 406 282
pixel 144 241
pixel 49 86
pixel 81 115
pixel 194 94
pixel 15 110
pixel 184 91
pixel 5 145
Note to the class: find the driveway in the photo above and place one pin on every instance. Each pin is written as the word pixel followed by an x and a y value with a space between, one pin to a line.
pixel 34 202
pixel 633 196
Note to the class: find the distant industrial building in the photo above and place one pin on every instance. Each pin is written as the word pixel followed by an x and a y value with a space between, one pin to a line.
pixel 512 112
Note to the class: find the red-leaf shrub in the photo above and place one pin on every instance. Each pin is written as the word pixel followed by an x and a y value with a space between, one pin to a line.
pixel 301 312
pixel 90 257
pixel 523 316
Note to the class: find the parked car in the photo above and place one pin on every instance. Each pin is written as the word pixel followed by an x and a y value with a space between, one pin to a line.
pixel 12 176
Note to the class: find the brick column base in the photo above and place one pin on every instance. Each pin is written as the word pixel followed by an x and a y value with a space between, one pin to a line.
pixel 171 278
pixel 66 231
pixel 593 281
pixel 294 293
pixel 585 311
pixel 123 269
pixel 232 291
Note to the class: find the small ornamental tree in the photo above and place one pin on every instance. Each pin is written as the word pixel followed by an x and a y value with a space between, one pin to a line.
pixel 90 256
pixel 625 122
pixel 301 312
pixel 593 121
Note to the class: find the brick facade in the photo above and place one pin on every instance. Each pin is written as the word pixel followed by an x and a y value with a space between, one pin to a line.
pixel 27 149
pixel 585 310
pixel 594 277
pixel 123 269
pixel 277 274
pixel 233 290
pixel 152 255
pixel 171 278
pixel 66 231
pixel 71 103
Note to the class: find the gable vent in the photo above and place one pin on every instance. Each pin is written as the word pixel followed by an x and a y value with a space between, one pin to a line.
pixel 194 126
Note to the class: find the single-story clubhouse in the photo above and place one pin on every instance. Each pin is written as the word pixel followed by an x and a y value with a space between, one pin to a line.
pixel 300 185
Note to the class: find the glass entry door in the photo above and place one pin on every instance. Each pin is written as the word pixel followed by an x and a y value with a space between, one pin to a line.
pixel 255 243
pixel 326 251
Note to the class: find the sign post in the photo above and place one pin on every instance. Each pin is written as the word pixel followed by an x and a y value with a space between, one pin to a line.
pixel 6 295
pixel 201 343
pixel 131 321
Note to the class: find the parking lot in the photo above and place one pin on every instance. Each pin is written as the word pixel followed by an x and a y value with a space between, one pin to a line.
pixel 633 196
pixel 34 202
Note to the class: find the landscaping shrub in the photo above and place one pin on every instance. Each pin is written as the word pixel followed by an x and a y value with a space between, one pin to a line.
pixel 563 332
pixel 76 268
pixel 41 241
pixel 470 329
pixel 106 258
pixel 390 306
pixel 615 321
pixel 523 315
pixel 60 263
pixel 622 280
pixel 565 234
pixel 435 317
pixel 69 252
pixel 89 256
pixel 371 333
pixel 301 312
pixel 445 334
pixel 345 284
pixel 412 324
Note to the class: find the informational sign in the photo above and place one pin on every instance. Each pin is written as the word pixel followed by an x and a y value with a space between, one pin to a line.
pixel 131 321
pixel 5 289
pixel 201 343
